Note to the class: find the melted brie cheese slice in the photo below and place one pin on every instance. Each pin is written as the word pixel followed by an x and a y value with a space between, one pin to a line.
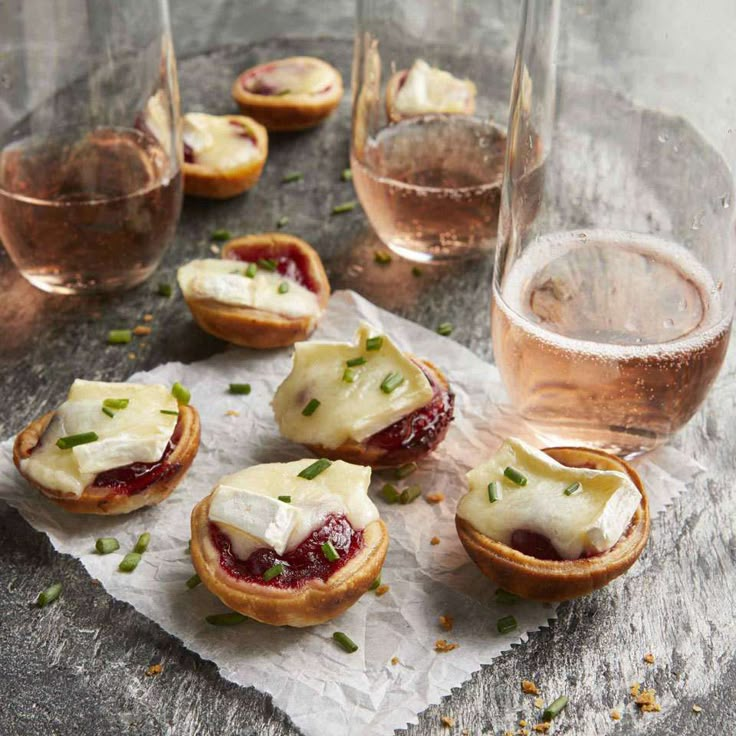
pixel 294 78
pixel 588 522
pixel 216 142
pixel 347 411
pixel 246 507
pixel 429 90
pixel 138 433
pixel 225 281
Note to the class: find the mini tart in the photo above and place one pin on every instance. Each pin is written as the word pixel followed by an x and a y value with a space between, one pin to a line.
pixel 314 602
pixel 280 110
pixel 255 328
pixel 380 455
pixel 560 580
pixel 105 500
pixel 223 183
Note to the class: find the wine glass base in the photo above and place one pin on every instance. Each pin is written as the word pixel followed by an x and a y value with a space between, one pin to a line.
pixel 79 284
pixel 439 254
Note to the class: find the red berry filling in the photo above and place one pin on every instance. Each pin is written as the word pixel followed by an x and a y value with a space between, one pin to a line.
pixel 293 265
pixel 534 545
pixel 305 562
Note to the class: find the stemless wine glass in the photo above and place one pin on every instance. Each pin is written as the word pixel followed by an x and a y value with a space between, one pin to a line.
pixel 90 182
pixel 427 148
pixel 613 290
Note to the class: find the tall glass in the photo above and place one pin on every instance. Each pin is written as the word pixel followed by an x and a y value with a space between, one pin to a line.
pixel 613 290
pixel 90 182
pixel 430 98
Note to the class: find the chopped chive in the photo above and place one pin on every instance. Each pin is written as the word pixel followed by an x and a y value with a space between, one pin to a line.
pixel 250 272
pixel 313 470
pixel 555 708
pixel 282 221
pixel 505 598
pixel 347 175
pixel 283 287
pixel 382 257
pixel 345 642
pixel 416 271
pixel 375 583
pixel 294 175
pixel 273 572
pixel 193 581
pixel 220 235
pixel 340 209
pixel 572 489
pixel 390 494
pixel 445 329
pixel 267 264
pixel 239 388
pixel 72 440
pixel 285 499
pixel 170 411
pixel 391 382
pixel 105 545
pixel 405 471
pixel 506 624
pixel 49 595
pixel 494 493
pixel 374 343
pixel 115 403
pixel 164 289
pixel 142 544
pixel 409 494
pixel 515 476
pixel 225 619
pixel 129 562
pixel 181 394
pixel 311 407
pixel 107 411
pixel 355 361
pixel 348 375
pixel 119 337
pixel 329 551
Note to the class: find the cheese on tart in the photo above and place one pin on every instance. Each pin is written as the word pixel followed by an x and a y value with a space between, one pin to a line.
pixel 348 410
pixel 225 281
pixel 139 432
pixel 427 90
pixel 246 507
pixel 588 521
pixel 291 77
pixel 219 142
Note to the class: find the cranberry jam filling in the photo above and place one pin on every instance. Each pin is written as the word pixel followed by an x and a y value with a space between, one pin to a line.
pixel 305 562
pixel 422 428
pixel 293 265
pixel 127 480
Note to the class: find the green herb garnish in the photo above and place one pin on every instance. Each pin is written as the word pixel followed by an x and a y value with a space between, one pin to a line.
pixel 110 413
pixel 405 470
pixel 73 440
pixel 181 394
pixel 313 470
pixel 129 562
pixel 292 177
pixel 355 361
pixel 390 494
pixel 329 551
pixel 164 289
pixel 505 598
pixel 285 499
pixel 493 492
pixel 273 572
pixel 193 581
pixel 445 329
pixel 283 287
pixel 116 404
pixel 311 407
pixel 391 382
pixel 382 257
pixel 225 619
pixel 49 595
pixel 347 175
pixel 267 264
pixel 409 494
pixel 573 488
pixel 345 642
pixel 106 545
pixel 220 235
pixel 506 624
pixel 340 209
pixel 239 388
pixel 515 476
pixel 555 708
pixel 170 411
pixel 119 337
pixel 348 375
pixel 142 544
pixel 282 222
pixel 250 272
pixel 374 343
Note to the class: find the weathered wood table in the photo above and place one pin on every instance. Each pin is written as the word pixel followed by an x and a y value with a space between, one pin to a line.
pixel 80 667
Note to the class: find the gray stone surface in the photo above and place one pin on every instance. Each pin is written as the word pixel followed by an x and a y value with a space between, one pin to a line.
pixel 78 667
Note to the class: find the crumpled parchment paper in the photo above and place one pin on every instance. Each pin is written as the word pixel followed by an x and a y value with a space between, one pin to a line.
pixel 324 690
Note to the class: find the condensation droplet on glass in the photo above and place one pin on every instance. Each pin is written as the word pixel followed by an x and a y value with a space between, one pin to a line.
pixel 669 323
pixel 663 138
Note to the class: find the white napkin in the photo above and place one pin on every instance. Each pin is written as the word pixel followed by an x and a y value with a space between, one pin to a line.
pixel 324 690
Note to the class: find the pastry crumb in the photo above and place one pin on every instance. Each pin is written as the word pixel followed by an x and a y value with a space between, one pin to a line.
pixel 382 590
pixel 148 317
pixel 434 498
pixel 442 645
pixel 131 356
pixel 538 703
pixel 465 732
pixel 434 541
pixel 141 330
pixel 447 721
pixel 529 687
pixel 522 723
pixel 542 727
pixel 615 715
pixel 153 669
pixel 635 689
pixel 395 660
pixel 232 413
pixel 697 709
pixel 214 249
pixel 649 658
pixel 447 622
pixel 647 702
pixel 508 733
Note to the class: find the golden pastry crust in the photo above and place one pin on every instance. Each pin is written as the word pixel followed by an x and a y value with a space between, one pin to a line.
pixel 392 89
pixel 560 580
pixel 315 602
pixel 289 111
pixel 205 181
pixel 255 328
pixel 104 501
pixel 360 453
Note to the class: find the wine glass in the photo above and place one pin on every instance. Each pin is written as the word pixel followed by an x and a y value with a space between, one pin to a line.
pixel 613 289
pixel 90 180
